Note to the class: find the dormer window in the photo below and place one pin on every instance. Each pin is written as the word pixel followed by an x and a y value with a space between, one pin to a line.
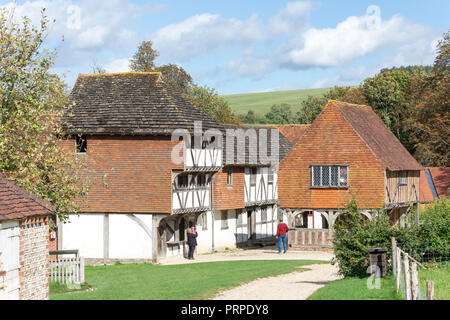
pixel 81 143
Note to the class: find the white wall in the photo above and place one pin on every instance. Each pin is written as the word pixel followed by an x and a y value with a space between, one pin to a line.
pixel 10 248
pixel 85 233
pixel 127 238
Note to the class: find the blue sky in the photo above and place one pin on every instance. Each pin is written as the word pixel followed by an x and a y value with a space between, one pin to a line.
pixel 246 46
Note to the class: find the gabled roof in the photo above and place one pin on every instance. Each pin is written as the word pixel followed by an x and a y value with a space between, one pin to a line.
pixel 293 132
pixel 130 103
pixel 16 203
pixel 284 146
pixel 383 143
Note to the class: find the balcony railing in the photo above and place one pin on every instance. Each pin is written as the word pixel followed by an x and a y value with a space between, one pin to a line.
pixel 198 159
pixel 190 199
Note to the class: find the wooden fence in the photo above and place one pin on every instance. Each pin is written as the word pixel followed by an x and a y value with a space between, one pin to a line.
pixel 67 270
pixel 404 268
pixel 313 238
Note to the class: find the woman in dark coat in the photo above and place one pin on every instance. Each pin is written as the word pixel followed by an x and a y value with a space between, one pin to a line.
pixel 192 242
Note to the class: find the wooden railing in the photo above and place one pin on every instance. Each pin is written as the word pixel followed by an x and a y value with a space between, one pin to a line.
pixel 303 237
pixel 67 270
pixel 404 268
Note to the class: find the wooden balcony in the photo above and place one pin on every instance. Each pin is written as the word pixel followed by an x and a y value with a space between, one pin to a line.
pixel 190 199
pixel 203 159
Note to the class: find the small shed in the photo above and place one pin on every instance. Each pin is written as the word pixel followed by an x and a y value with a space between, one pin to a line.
pixel 24 232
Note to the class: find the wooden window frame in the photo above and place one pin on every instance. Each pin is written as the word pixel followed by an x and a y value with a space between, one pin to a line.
pixel 230 177
pixel 81 144
pixel 403 178
pixel 253 180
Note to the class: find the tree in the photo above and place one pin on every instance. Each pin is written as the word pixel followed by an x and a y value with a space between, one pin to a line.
pixel 355 95
pixel 32 101
pixel 430 120
pixel 385 93
pixel 212 104
pixel 279 114
pixel 310 109
pixel 176 77
pixel 144 58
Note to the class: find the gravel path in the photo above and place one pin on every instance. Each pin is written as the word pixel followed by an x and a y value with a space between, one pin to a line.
pixel 266 253
pixel 292 286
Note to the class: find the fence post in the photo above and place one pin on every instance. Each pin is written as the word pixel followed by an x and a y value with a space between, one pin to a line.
pixel 399 268
pixel 430 290
pixel 407 277
pixel 82 270
pixel 414 281
pixel 394 256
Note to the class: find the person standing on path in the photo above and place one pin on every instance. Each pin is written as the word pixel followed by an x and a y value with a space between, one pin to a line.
pixel 282 230
pixel 192 241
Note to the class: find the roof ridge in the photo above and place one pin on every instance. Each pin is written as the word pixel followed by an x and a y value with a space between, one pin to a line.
pixel 120 73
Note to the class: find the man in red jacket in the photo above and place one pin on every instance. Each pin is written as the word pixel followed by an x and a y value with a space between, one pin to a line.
pixel 282 230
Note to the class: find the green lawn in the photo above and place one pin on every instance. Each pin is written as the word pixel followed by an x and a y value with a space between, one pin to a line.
pixel 187 281
pixel 441 277
pixel 356 289
pixel 261 102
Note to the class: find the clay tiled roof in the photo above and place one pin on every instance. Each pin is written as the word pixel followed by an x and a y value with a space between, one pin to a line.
pixel 293 132
pixel 441 180
pixel 131 103
pixel 383 143
pixel 16 203
pixel 427 189
pixel 284 146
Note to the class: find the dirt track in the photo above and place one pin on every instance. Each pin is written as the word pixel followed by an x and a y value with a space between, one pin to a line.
pixel 291 286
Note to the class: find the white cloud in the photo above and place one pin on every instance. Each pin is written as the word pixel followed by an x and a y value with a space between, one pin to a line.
pixel 211 32
pixel 250 66
pixel 117 65
pixel 292 18
pixel 205 33
pixel 353 38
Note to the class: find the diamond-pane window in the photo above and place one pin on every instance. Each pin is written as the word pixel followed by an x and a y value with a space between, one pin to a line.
pixel 316 176
pixel 325 175
pixel 329 176
pixel 343 177
pixel 334 176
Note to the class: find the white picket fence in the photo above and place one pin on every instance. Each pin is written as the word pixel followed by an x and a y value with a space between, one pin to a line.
pixel 67 270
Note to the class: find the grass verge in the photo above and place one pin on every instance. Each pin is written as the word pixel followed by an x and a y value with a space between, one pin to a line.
pixel 354 288
pixel 177 282
pixel 440 274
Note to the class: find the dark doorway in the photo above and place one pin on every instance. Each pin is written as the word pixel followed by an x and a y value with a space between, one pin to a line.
pixel 181 229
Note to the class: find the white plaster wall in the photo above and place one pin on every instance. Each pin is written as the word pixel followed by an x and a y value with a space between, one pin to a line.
pixel 225 238
pixel 85 233
pixel 204 236
pixel 317 220
pixel 127 239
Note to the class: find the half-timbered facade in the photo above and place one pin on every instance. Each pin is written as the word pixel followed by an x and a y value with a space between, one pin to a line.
pixel 347 152
pixel 150 165
pixel 246 189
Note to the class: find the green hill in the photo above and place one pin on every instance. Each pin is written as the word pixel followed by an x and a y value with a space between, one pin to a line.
pixel 261 102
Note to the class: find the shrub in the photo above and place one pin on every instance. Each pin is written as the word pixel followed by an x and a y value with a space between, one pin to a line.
pixel 355 234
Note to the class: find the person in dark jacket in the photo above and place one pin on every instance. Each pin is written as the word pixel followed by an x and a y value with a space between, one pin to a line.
pixel 192 241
